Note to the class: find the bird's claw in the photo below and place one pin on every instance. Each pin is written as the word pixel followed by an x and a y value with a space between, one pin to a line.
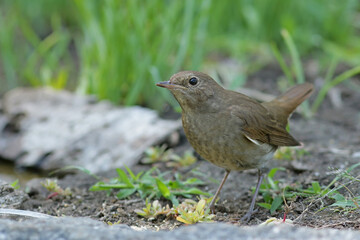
pixel 212 209
pixel 246 218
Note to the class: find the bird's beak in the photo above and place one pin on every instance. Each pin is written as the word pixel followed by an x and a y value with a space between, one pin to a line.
pixel 166 84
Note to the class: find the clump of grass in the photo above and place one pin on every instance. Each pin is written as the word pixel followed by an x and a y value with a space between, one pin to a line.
pixel 159 154
pixel 276 193
pixel 332 190
pixel 125 51
pixel 193 212
pixel 296 69
pixel 149 186
pixel 27 57
pixel 186 160
pixel 153 210
pixel 188 212
pixel 290 153
pixel 118 49
pixel 15 184
pixel 52 186
pixel 331 82
pixel 113 223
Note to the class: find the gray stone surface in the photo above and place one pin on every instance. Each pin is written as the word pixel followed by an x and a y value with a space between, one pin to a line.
pixel 49 129
pixel 84 228
pixel 9 197
pixel 20 215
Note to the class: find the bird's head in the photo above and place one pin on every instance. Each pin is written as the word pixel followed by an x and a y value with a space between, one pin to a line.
pixel 192 89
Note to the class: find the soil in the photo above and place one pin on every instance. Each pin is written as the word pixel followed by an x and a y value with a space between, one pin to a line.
pixel 331 137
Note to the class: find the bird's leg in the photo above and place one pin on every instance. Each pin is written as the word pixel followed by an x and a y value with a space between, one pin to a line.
pixel 247 216
pixel 212 203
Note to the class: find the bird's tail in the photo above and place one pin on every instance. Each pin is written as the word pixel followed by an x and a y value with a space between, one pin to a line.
pixel 286 103
pixel 293 97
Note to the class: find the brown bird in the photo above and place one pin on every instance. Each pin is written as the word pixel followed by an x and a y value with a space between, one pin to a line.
pixel 232 130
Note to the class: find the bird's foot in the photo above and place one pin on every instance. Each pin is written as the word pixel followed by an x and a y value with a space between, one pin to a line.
pixel 212 208
pixel 246 218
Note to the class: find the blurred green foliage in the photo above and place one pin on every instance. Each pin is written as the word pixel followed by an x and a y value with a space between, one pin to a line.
pixel 118 49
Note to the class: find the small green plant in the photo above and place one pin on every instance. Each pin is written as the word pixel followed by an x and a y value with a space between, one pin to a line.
pixel 188 212
pixel 187 159
pixel 149 186
pixel 158 154
pixel 192 212
pixel 297 69
pixel 331 82
pixel 15 184
pixel 271 190
pixel 290 153
pixel 113 223
pixel 275 193
pixel 52 186
pixel 342 202
pixel 152 210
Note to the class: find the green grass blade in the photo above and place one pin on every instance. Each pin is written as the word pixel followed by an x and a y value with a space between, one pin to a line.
pixel 124 193
pixel 265 205
pixel 275 205
pixel 282 64
pixel 132 175
pixel 123 177
pixel 294 54
pixel 325 89
pixel 298 68
pixel 82 169
pixel 165 192
pixel 99 186
pixel 316 187
pixel 196 191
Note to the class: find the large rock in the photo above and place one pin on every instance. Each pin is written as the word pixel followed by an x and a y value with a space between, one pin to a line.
pixel 9 197
pixel 84 228
pixel 50 129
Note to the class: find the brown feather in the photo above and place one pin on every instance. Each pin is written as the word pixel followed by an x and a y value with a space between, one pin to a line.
pixel 262 126
pixel 266 122
pixel 286 103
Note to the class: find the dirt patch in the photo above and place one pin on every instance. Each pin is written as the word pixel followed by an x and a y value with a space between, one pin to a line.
pixel 332 139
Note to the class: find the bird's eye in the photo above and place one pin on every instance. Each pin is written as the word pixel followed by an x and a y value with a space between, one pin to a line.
pixel 193 81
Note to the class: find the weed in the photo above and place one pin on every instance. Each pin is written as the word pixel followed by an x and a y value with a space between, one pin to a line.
pixel 149 186
pixel 298 71
pixel 161 154
pixel 290 153
pixel 342 202
pixel 297 68
pixel 187 159
pixel 330 83
pixel 52 186
pixel 152 210
pixel 113 223
pixel 157 154
pixel 275 193
pixel 133 46
pixel 188 212
pixel 191 212
pixel 15 184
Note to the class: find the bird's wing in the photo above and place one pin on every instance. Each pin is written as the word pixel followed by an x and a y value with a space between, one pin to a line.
pixel 258 124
